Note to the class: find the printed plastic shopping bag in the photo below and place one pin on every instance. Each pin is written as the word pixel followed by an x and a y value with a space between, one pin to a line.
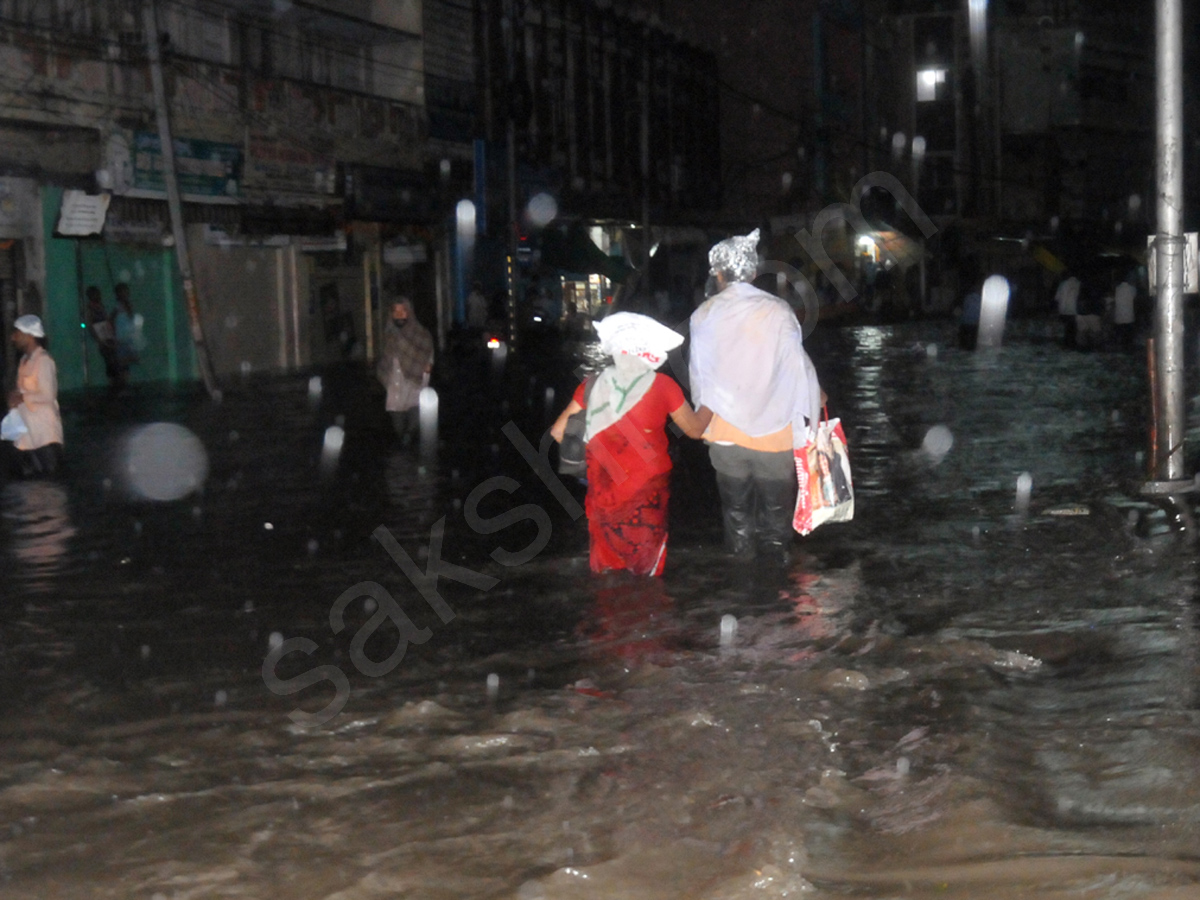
pixel 826 493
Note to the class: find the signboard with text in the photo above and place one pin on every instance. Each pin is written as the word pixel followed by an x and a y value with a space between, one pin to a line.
pixel 203 168
pixel 275 165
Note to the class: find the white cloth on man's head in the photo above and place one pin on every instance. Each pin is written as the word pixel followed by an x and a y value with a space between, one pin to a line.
pixel 737 257
pixel 638 346
pixel 748 364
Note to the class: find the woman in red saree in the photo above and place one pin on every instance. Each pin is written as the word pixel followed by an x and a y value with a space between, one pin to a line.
pixel 628 465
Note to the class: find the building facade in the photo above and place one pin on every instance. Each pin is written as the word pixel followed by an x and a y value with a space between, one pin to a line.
pixel 300 144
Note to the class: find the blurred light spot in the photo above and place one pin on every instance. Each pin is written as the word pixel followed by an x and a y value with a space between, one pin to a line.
pixel 937 443
pixel 542 210
pixel 164 461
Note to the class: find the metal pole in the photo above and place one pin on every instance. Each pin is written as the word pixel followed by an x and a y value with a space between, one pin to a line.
pixel 1152 368
pixel 645 155
pixel 510 51
pixel 1170 242
pixel 83 312
pixel 150 26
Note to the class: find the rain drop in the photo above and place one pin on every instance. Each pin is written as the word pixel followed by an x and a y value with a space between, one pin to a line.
pixel 542 210
pixel 267 526
pixel 938 441
pixel 220 698
pixel 931 351
pixel 331 448
pixel 903 766
pixel 313 546
pixel 369 605
pixel 729 627
pixel 249 606
pixel 164 461
pixel 275 641
pixel 1024 489
pixel 145 651
pixel 493 685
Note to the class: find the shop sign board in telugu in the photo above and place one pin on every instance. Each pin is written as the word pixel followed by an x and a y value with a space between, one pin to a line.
pixel 204 169
pixel 281 166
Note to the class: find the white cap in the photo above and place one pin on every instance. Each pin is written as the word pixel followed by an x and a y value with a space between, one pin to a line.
pixel 30 325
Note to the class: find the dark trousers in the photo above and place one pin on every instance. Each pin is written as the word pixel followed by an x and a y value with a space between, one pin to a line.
pixel 1069 327
pixel 1125 333
pixel 758 499
pixel 968 336
pixel 407 424
pixel 37 463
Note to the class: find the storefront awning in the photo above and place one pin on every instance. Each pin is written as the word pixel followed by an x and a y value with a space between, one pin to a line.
pixel 573 251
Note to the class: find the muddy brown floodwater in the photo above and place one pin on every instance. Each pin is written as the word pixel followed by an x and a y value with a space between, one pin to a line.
pixel 946 698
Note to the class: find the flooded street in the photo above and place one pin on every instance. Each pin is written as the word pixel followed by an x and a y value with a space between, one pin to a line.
pixel 948 697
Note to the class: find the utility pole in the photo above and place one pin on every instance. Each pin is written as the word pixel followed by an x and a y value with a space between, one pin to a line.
pixel 645 154
pixel 150 26
pixel 1167 465
pixel 511 48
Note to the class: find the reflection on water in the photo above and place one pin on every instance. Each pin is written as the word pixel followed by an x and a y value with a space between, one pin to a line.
pixel 631 620
pixel 39 530
pixel 938 699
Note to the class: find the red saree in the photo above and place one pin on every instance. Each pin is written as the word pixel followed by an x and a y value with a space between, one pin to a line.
pixel 628 472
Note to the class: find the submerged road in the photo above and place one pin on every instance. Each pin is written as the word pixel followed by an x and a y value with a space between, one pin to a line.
pixel 949 697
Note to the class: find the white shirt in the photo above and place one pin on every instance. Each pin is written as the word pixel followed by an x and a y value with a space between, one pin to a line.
pixel 748 363
pixel 1123 304
pixel 1067 297
pixel 37 380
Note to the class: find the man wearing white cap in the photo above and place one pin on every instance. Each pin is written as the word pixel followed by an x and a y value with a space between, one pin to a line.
pixel 35 400
pixel 748 365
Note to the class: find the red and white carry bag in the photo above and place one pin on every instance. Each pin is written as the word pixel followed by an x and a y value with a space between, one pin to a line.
pixel 826 492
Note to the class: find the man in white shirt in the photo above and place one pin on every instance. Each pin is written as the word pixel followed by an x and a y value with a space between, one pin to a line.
pixel 1067 298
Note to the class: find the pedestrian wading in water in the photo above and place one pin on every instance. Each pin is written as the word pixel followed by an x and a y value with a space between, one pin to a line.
pixel 404 367
pixel 34 423
pixel 748 364
pixel 628 465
